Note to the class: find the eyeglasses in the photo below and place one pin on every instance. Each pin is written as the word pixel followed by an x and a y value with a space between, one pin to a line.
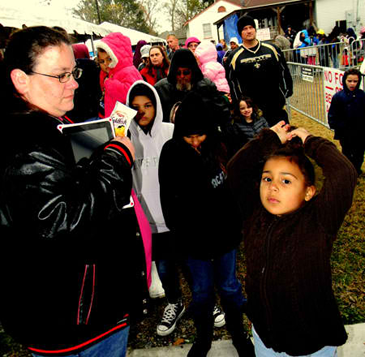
pixel 64 77
pixel 185 72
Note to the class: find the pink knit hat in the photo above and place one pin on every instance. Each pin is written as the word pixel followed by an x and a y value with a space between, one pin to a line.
pixel 191 39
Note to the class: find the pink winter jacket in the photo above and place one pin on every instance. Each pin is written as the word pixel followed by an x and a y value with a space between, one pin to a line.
pixel 122 73
pixel 207 55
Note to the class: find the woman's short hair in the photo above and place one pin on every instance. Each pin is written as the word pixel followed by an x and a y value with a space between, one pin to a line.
pixel 26 45
pixel 22 52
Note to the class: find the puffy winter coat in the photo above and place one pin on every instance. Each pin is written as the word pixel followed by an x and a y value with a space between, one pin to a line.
pixel 122 72
pixel 211 68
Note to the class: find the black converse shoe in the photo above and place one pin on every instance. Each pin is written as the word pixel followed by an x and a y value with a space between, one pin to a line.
pixel 171 316
pixel 219 317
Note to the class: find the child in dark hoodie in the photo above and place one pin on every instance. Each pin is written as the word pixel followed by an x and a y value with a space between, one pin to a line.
pixel 204 219
pixel 347 117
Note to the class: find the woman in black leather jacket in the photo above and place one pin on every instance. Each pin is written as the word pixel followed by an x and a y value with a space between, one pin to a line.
pixel 70 261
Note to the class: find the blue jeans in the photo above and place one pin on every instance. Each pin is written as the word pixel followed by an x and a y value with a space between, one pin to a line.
pixel 262 351
pixel 113 346
pixel 208 274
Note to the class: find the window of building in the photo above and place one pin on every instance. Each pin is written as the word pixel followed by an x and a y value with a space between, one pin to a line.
pixel 207 31
pixel 222 9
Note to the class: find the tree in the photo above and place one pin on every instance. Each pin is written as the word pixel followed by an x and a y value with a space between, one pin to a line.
pixel 127 13
pixel 181 11
pixel 150 8
pixel 171 9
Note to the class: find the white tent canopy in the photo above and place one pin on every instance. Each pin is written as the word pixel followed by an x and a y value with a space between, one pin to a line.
pixel 134 35
pixel 15 17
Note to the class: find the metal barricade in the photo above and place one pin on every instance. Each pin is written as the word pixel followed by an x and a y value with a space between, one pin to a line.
pixel 308 91
pixel 357 51
pixel 336 55
pixel 313 88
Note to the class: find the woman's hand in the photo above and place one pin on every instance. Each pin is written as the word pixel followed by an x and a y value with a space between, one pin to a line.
pixel 281 129
pixel 125 141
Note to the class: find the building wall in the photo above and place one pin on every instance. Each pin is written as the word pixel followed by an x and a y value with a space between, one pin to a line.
pixel 209 16
pixel 330 11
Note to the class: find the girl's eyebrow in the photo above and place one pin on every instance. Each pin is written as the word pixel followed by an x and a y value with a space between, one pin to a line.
pixel 281 173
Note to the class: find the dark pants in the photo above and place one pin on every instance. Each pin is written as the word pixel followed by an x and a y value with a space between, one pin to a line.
pixel 168 265
pixel 206 275
pixel 354 150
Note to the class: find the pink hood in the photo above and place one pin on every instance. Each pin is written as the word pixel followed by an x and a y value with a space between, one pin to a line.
pixel 207 55
pixel 122 72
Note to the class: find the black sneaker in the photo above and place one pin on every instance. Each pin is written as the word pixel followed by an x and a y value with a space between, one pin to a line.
pixel 171 316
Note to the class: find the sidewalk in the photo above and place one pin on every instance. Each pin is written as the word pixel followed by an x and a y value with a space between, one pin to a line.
pixel 354 347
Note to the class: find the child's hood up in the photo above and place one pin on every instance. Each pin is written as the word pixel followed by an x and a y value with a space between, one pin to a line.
pixel 158 110
pixel 346 74
pixel 193 116
pixel 206 52
pixel 119 49
pixel 186 59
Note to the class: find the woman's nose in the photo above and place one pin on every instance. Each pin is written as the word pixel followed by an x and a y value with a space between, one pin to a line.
pixel 73 83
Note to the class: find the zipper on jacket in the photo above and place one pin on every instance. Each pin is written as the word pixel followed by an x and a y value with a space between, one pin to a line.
pixel 86 295
pixel 265 272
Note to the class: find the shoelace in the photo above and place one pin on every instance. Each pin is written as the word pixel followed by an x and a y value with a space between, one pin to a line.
pixel 170 313
pixel 217 311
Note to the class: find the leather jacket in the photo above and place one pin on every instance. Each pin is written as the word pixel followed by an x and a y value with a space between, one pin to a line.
pixel 71 259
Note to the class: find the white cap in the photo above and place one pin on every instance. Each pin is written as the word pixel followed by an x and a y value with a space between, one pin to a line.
pixel 233 39
pixel 145 51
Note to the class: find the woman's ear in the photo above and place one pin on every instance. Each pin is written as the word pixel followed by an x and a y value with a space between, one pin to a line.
pixel 310 192
pixel 20 80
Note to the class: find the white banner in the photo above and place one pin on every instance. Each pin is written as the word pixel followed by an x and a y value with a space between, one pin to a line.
pixel 332 84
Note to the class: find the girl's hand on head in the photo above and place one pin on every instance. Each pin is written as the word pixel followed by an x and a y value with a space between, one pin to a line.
pixel 281 129
pixel 300 132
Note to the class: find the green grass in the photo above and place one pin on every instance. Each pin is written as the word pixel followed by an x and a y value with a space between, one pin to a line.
pixel 348 257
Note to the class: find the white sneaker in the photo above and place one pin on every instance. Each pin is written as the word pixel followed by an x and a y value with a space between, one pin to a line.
pixel 171 316
pixel 219 317
pixel 156 290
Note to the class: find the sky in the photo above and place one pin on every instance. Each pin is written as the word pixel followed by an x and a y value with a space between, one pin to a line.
pixel 64 6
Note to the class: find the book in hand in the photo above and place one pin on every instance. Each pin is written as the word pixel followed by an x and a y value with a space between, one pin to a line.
pixel 122 116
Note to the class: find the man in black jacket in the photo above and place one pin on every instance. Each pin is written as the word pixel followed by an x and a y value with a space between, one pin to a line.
pixel 259 70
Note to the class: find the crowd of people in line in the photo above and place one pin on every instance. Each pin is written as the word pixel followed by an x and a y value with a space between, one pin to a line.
pixel 337 49
pixel 209 160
